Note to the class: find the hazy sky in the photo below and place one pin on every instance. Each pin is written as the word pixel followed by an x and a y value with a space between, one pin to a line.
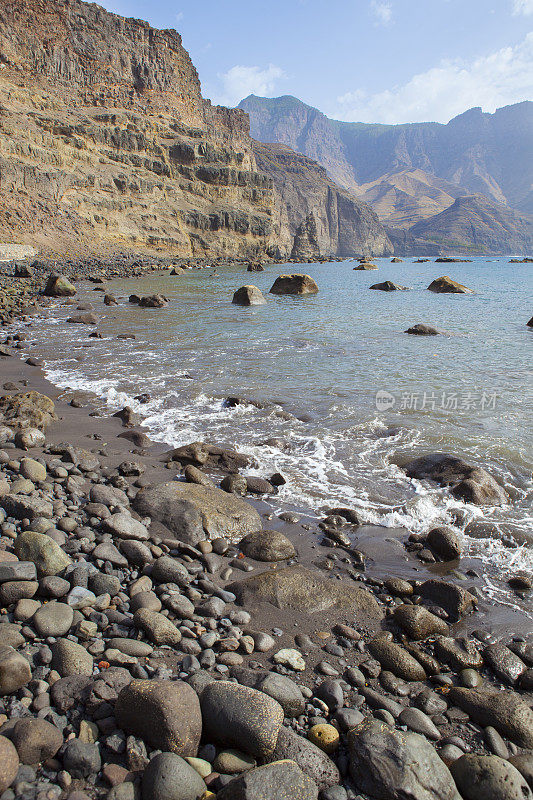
pixel 362 60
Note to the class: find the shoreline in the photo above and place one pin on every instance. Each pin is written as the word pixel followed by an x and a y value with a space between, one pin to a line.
pixel 337 643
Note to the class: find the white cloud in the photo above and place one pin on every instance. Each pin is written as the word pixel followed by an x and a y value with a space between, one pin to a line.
pixel 383 11
pixel 240 81
pixel 501 78
pixel 523 7
pixel 179 16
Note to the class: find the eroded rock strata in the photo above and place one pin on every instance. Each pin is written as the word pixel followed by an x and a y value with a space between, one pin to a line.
pixel 106 143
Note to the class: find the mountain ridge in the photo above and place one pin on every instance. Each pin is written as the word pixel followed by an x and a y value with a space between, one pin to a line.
pixel 406 145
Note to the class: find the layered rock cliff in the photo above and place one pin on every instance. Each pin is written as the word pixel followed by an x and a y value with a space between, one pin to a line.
pixel 107 144
pixel 106 141
pixel 312 215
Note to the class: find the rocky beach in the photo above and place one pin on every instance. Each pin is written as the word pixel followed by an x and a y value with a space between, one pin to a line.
pixel 169 630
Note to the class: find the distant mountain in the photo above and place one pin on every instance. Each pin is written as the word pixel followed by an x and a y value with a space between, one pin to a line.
pixel 410 172
pixel 314 216
pixel 472 225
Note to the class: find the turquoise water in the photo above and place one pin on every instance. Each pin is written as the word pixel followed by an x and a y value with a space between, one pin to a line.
pixel 324 359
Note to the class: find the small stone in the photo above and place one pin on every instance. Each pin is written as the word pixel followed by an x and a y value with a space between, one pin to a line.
pixel 81 759
pixel 325 737
pixel 290 658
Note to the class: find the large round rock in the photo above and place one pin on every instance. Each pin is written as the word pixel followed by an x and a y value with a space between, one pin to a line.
pixel 267 546
pixel 392 765
pixel 53 619
pixel 9 763
pixel 46 554
pixel 294 284
pixel 490 778
pixel 35 739
pixel 70 658
pixel 170 777
pixel 248 296
pixel 191 512
pixel 297 588
pixel 164 714
pixel 240 717
pixel 281 780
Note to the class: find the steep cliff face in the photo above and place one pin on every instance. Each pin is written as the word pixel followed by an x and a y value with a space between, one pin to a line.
pixel 106 141
pixel 313 216
pixel 488 154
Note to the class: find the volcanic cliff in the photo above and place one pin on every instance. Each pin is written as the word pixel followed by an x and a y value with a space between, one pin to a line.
pixel 106 143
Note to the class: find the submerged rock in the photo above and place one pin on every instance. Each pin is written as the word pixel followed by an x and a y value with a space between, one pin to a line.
pixel 153 301
pixel 389 286
pixel 421 329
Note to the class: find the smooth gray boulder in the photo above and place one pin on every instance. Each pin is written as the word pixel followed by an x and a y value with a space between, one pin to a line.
pixel 267 546
pixel 281 780
pixel 240 717
pixel 170 777
pixel 192 512
pixel 388 764
pixel 301 589
pixel 490 778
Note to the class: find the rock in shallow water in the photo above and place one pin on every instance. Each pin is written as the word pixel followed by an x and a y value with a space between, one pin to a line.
pixel 248 296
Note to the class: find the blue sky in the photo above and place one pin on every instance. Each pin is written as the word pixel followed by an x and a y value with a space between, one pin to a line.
pixel 358 60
